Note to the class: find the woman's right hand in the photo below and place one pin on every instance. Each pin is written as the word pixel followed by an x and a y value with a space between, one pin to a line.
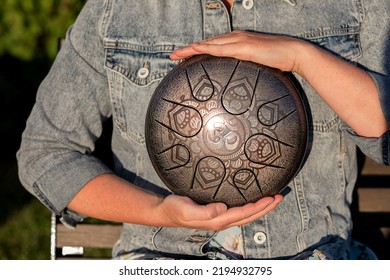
pixel 111 198
pixel 183 212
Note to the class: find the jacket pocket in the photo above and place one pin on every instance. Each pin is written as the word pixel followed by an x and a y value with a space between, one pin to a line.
pixel 133 74
pixel 342 41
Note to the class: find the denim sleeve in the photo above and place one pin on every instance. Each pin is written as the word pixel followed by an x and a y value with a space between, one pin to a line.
pixel 72 103
pixel 375 148
pixel 375 59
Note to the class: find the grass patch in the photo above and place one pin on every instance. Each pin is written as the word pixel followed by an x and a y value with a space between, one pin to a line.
pixel 25 235
pixel 24 221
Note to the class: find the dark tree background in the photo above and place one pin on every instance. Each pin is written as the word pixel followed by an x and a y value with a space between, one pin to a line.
pixel 29 31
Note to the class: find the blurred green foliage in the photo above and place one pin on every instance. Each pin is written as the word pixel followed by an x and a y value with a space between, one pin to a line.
pixel 29 31
pixel 29 28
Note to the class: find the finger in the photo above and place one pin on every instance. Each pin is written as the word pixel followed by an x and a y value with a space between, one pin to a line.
pixel 184 52
pixel 248 212
pixel 196 48
pixel 218 212
pixel 232 49
pixel 260 214
pixel 223 39
pixel 194 212
pixel 217 216
pixel 227 50
pixel 208 212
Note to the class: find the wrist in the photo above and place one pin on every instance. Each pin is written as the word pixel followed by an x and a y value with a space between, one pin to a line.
pixel 305 56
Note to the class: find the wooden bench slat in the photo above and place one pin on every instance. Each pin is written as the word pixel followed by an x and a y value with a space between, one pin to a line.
pixel 374 199
pixel 371 167
pixel 88 235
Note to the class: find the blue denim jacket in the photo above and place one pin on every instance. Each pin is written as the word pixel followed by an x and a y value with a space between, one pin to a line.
pixel 114 56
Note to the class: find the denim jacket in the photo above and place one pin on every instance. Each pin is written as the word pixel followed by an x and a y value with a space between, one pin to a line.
pixel 115 55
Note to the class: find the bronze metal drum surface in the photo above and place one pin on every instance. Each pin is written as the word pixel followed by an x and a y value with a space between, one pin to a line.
pixel 226 130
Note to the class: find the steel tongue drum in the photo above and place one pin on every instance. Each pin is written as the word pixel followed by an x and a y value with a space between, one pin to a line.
pixel 226 130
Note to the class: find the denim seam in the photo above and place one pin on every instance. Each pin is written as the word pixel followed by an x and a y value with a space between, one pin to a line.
pixel 44 199
pixel 105 18
pixel 301 201
pixel 124 44
pixel 329 32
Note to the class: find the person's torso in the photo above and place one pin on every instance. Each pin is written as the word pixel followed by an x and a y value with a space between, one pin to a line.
pixel 138 38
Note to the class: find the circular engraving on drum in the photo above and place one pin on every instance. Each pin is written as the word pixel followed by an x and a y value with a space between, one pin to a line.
pixel 223 135
pixel 220 129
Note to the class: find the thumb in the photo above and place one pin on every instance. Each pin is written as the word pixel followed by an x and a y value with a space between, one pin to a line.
pixel 208 212
pixel 216 209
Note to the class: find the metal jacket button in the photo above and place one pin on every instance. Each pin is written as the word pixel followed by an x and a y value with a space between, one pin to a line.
pixel 260 237
pixel 247 4
pixel 143 73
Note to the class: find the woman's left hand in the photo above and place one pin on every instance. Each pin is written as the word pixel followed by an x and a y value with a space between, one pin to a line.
pixel 347 89
pixel 275 51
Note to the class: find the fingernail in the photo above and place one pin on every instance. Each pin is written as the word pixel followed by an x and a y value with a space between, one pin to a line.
pixel 285 191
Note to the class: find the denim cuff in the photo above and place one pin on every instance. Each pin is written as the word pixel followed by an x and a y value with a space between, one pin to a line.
pixel 57 187
pixel 377 148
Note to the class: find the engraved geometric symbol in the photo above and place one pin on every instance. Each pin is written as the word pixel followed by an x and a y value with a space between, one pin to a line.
pixel 274 111
pixel 209 172
pixel 268 114
pixel 244 179
pixel 179 156
pixel 262 149
pixel 204 90
pixel 238 96
pixel 184 120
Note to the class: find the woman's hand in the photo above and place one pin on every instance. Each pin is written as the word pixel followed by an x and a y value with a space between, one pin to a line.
pixel 111 198
pixel 183 212
pixel 347 89
pixel 275 51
